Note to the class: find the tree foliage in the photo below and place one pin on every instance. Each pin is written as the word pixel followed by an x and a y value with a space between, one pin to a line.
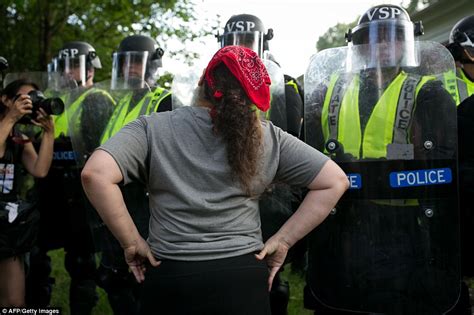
pixel 33 31
pixel 334 36
pixel 416 5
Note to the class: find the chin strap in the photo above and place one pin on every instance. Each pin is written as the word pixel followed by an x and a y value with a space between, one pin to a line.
pixel 467 57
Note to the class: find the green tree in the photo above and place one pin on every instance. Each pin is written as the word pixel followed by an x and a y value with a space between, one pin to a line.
pixel 32 31
pixel 334 36
pixel 417 5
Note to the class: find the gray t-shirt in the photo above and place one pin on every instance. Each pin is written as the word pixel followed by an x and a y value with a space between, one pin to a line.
pixel 198 210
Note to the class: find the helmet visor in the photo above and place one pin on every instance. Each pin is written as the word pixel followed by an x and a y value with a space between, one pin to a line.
pixel 128 70
pixel 251 40
pixel 152 73
pixel 378 32
pixel 72 68
pixel 386 43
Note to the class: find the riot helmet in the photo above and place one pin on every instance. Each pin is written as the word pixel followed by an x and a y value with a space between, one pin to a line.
pixel 136 61
pixel 77 60
pixel 246 30
pixel 388 35
pixel 461 40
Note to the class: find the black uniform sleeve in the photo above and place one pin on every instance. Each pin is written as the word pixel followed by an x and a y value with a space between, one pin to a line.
pixel 165 104
pixel 465 113
pixel 294 110
pixel 312 129
pixel 466 182
pixel 294 106
pixel 435 121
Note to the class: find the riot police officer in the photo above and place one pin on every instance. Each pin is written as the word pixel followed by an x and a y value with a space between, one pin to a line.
pixel 461 46
pixel 277 204
pixel 135 68
pixel 378 111
pixel 461 86
pixel 62 203
pixel 248 30
pixel 134 75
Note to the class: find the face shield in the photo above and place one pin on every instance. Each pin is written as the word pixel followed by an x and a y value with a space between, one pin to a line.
pixel 251 40
pixel 73 68
pixel 128 70
pixel 152 73
pixel 388 43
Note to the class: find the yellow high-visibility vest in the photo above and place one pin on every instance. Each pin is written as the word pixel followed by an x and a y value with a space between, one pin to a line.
pixel 125 112
pixel 72 113
pixel 458 85
pixel 388 123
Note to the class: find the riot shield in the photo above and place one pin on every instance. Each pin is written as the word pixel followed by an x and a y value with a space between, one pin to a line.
pixel 277 203
pixel 184 86
pixel 391 244
pixel 88 112
pixel 97 126
pixel 277 111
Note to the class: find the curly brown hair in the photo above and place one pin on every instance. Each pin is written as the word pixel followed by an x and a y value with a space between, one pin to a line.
pixel 236 120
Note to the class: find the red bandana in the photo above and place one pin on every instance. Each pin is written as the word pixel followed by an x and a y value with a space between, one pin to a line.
pixel 248 68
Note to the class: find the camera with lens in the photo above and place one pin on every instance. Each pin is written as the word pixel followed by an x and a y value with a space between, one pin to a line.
pixel 52 106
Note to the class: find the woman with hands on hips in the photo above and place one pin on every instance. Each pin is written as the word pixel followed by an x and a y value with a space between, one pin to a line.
pixel 205 167
pixel 18 217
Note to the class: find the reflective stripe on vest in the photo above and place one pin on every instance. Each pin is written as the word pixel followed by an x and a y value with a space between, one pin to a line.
pixel 293 84
pixel 71 114
pixel 457 84
pixel 332 126
pixel 450 84
pixel 389 121
pixel 465 85
pixel 124 114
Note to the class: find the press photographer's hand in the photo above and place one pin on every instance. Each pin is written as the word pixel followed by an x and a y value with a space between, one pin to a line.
pixel 44 121
pixel 22 105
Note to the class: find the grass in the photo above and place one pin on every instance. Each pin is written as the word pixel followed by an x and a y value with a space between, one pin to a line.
pixel 60 296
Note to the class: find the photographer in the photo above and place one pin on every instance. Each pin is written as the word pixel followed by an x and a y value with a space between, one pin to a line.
pixel 61 202
pixel 19 217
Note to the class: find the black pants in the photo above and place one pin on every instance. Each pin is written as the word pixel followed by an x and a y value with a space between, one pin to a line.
pixel 236 285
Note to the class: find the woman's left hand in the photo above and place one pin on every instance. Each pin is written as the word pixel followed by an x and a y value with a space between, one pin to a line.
pixel 44 121
pixel 275 251
pixel 136 256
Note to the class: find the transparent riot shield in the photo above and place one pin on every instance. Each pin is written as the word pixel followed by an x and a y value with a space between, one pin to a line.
pixel 132 101
pixel 277 203
pixel 185 86
pixel 88 111
pixel 391 244
pixel 96 127
pixel 277 111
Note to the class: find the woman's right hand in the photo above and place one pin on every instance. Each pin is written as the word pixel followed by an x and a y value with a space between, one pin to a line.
pixel 21 106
